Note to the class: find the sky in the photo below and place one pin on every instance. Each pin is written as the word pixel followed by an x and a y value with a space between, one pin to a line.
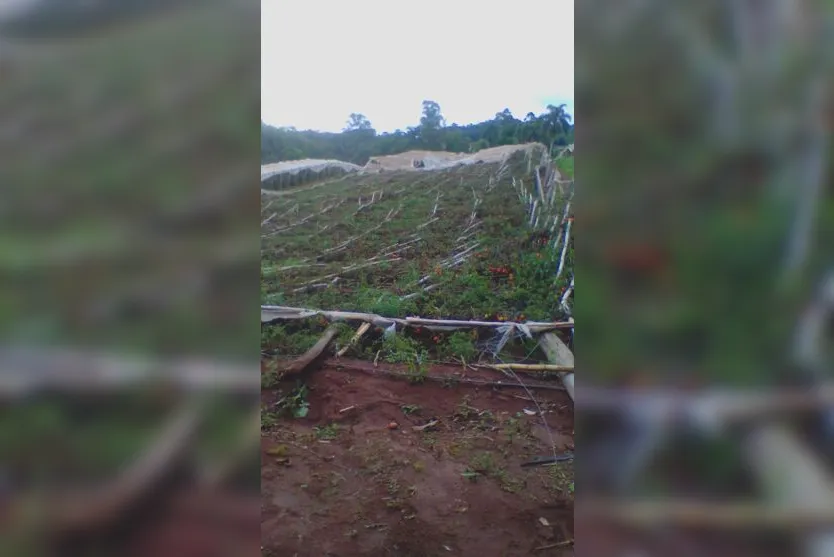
pixel 323 59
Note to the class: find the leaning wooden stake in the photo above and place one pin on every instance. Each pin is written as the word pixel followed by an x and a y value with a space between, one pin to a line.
pixel 362 330
pixel 300 364
pixel 559 354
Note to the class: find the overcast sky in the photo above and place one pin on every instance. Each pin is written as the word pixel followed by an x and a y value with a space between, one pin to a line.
pixel 323 59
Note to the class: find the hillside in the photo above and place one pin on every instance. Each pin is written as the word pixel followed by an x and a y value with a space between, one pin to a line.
pixel 425 272
pixel 460 242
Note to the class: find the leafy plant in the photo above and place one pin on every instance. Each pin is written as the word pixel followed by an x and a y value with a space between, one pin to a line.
pixel 327 433
pixel 295 403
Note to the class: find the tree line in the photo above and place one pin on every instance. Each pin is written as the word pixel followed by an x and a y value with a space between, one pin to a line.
pixel 359 141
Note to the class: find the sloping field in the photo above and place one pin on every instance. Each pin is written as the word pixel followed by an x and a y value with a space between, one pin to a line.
pixel 410 441
pixel 455 243
pixel 436 160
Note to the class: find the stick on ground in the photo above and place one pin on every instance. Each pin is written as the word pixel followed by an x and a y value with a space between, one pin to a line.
pixel 530 367
pixel 300 364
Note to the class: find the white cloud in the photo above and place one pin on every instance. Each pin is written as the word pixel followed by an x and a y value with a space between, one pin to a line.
pixel 322 60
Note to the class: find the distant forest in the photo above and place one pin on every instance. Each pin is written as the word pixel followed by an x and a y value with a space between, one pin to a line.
pixel 359 141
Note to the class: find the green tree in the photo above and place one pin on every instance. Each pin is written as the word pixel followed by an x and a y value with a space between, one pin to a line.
pixel 358 122
pixel 557 124
pixel 431 124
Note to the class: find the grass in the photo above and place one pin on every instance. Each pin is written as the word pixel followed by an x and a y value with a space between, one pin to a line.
pixel 327 432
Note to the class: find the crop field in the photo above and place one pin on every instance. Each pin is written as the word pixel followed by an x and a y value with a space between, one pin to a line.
pixel 448 243
pixel 407 442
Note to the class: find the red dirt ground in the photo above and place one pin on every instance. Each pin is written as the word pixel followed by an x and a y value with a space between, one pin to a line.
pixel 362 488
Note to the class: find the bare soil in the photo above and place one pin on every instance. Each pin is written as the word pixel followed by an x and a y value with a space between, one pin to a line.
pixel 363 481
pixel 445 159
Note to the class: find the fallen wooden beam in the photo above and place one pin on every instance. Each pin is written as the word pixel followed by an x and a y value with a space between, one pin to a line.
pixel 282 313
pixel 362 330
pixel 301 363
pixel 559 354
pixel 528 367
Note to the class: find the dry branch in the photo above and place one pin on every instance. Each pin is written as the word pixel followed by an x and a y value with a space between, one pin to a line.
pixel 302 363
pixel 391 214
pixel 362 330
pixel 316 282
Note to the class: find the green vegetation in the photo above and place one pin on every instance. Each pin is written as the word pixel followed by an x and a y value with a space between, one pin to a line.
pixel 328 254
pixel 359 140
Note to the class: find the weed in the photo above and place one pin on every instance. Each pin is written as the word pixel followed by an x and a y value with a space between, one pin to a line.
pixel 327 433
pixel 270 376
pixel 471 475
pixel 460 345
pixel 560 479
pixel 483 463
pixel 417 372
pixel 294 404
pixel 409 409
pixel 393 487
pixel 400 349
pixel 269 418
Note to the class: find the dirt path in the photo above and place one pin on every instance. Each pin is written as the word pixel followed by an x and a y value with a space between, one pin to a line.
pixel 350 482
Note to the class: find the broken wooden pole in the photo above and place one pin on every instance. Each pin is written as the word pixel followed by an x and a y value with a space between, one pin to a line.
pixel 362 330
pixel 283 313
pixel 531 367
pixel 300 364
pixel 559 354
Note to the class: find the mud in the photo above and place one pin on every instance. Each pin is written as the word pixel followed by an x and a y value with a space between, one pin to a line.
pixel 354 477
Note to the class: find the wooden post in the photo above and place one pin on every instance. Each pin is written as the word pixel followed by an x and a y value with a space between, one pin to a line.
pixel 559 354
